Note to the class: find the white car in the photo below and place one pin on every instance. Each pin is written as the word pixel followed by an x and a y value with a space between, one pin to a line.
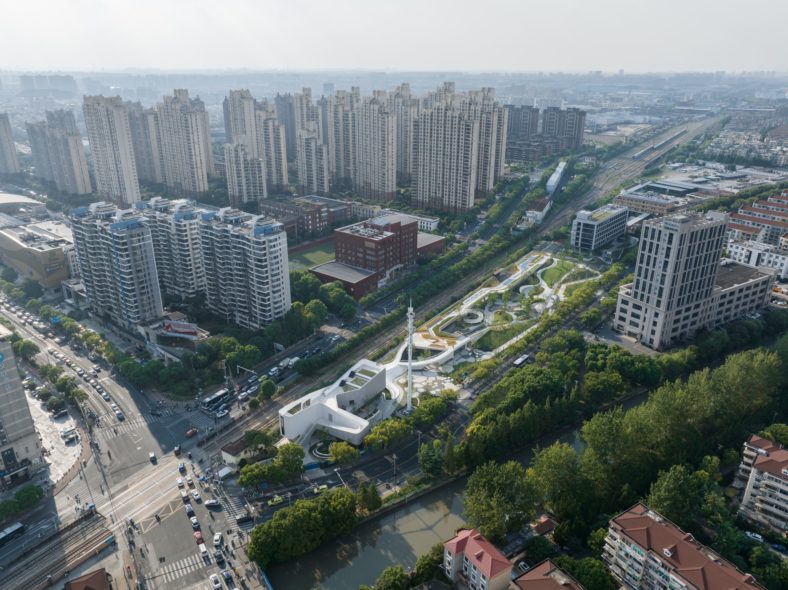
pixel 179 481
pixel 195 522
pixel 196 495
pixel 190 481
pixel 216 583
pixel 754 536
pixel 218 540
pixel 222 414
pixel 212 503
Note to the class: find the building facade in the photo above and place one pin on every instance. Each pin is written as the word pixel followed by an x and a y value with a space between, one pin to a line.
pixel 312 162
pixel 20 447
pixel 645 551
pixel 175 231
pixel 57 150
pixel 246 267
pixel 375 174
pixel 9 163
pixel 594 229
pixel 680 287
pixel 185 143
pixel 114 164
pixel 472 560
pixel 117 263
pixel 37 253
pixel 246 177
pixel 765 499
pixel 760 255
pixel 146 140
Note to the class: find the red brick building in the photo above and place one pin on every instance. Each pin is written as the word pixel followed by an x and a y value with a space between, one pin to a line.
pixel 379 245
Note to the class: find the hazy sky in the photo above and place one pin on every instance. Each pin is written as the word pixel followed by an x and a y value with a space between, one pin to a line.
pixel 488 35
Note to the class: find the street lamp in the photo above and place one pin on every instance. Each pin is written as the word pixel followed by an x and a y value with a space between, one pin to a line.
pixel 336 470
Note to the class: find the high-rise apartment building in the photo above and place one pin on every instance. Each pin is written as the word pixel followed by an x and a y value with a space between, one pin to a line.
pixel 246 267
pixel 312 162
pixel 492 119
pixel 680 287
pixel 114 164
pixel 645 551
pixel 239 119
pixel 20 447
pixel 177 246
pixel 765 499
pixel 117 263
pixel 561 130
pixel 295 111
pixel 522 126
pixel 9 163
pixel 146 139
pixel 246 177
pixel 376 151
pixel 185 142
pixel 446 159
pixel 272 148
pixel 57 150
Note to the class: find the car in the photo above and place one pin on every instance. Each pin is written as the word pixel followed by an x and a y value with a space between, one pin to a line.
pixel 198 536
pixel 212 503
pixel 243 397
pixel 217 555
pixel 218 540
pixel 228 577
pixel 221 414
pixel 778 547
pixel 216 583
pixel 190 481
pixel 119 415
pixel 319 489
pixel 179 481
pixel 196 496
pixel 276 500
pixel 105 396
pixel 185 496
pixel 182 467
pixel 177 450
pixel 96 369
pixel 754 536
pixel 195 522
pixel 243 517
pixel 114 407
pixel 152 457
pixel 155 412
pixel 189 509
pixel 191 432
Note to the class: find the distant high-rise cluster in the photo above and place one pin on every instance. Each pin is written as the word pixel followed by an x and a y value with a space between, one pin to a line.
pixel 9 163
pixel 57 150
pixel 561 130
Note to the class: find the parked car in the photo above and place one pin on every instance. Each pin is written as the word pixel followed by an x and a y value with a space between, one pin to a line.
pixel 218 540
pixel 189 510
pixel 196 496
pixel 196 525
pixel 179 481
pixel 198 536
pixel 216 583
pixel 276 500
pixel 754 536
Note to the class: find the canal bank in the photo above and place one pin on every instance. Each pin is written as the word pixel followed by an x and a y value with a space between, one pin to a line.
pixel 399 536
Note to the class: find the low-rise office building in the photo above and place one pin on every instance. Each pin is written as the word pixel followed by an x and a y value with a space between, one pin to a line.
pixel 760 255
pixel 380 245
pixel 38 251
pixel 594 229
pixel 469 558
pixel 645 202
pixel 645 551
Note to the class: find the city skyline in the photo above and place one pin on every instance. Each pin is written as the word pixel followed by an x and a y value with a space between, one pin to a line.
pixel 667 36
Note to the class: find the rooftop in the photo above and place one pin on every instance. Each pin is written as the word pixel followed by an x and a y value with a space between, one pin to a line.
pixel 687 559
pixel 343 272
pixel 424 239
pixel 601 214
pixel 480 552
pixel 774 462
pixel 546 576
pixel 11 199
pixel 732 274
pixel 361 230
pixel 392 218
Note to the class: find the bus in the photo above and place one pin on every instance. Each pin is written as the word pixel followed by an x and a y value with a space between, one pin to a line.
pixel 212 402
pixel 11 532
pixel 520 361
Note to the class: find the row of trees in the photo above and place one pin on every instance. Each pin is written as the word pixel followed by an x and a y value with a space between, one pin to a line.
pixel 303 527
pixel 24 499
pixel 287 464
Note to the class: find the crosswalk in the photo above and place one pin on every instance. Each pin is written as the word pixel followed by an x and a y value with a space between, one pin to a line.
pixel 171 572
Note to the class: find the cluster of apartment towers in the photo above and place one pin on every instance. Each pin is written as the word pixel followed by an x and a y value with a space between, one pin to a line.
pixel 447 146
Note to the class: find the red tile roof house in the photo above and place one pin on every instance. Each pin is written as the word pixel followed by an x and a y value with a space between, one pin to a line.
pixel 475 563
pixel 545 576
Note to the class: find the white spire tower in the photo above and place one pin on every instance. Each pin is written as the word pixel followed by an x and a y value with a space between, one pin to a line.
pixel 410 355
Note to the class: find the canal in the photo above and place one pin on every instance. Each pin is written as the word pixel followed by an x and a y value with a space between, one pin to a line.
pixel 397 538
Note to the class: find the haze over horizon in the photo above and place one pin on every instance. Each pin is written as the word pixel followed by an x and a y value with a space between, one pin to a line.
pixel 406 35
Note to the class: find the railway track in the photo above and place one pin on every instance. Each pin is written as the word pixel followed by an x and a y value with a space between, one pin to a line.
pixel 56 554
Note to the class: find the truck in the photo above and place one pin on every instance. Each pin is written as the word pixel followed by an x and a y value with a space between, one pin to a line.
pixel 284 364
pixel 224 473
pixel 293 362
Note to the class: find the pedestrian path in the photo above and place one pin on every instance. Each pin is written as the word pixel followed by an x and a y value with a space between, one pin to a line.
pixel 171 572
